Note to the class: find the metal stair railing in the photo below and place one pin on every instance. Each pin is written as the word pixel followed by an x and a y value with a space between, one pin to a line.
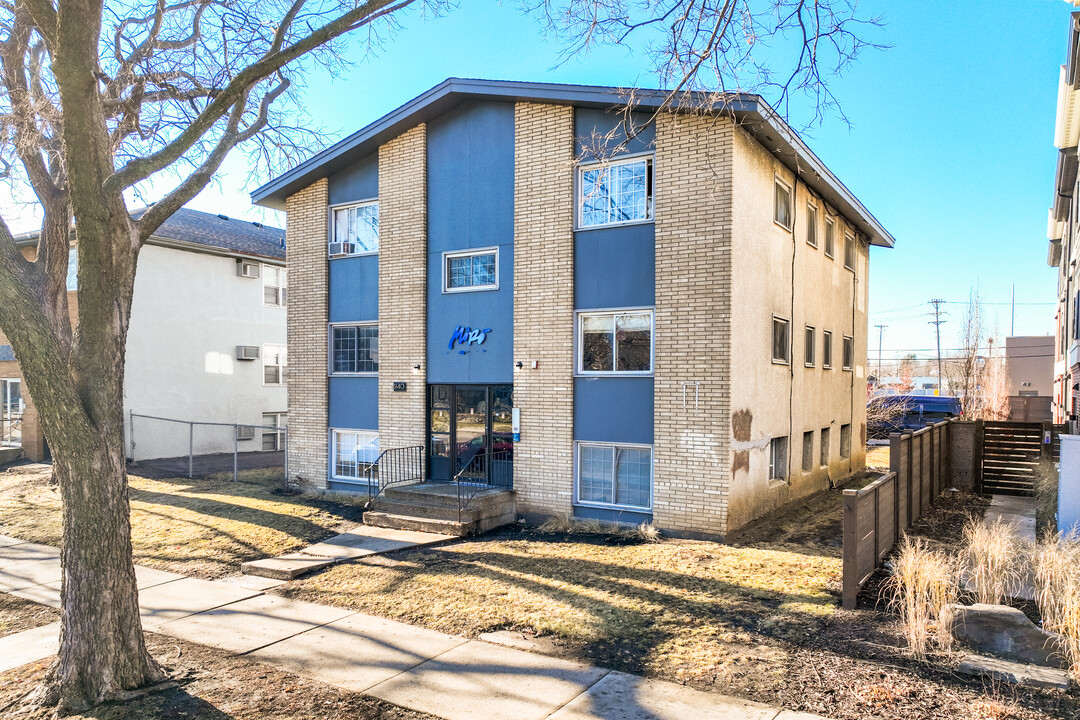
pixel 394 467
pixel 485 471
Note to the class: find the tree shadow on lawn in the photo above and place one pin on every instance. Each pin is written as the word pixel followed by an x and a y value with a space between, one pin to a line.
pixel 625 613
pixel 299 527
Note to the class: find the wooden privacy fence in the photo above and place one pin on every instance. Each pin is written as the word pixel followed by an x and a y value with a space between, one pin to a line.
pixel 875 516
pixel 1007 454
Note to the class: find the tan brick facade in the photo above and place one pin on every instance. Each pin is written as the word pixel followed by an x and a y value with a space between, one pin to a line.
pixel 306 259
pixel 693 311
pixel 403 289
pixel 544 306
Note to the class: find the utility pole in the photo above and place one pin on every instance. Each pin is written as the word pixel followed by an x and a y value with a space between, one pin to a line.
pixel 937 303
pixel 881 330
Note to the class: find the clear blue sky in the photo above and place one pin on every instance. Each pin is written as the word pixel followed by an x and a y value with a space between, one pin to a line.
pixel 951 145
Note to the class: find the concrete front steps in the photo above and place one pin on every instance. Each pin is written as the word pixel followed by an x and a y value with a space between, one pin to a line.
pixel 433 508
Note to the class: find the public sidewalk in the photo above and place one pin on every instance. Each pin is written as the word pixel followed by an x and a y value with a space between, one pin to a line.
pixel 448 676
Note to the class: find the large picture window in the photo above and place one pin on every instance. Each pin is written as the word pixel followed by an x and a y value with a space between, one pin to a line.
pixel 615 192
pixel 472 270
pixel 354 349
pixel 355 230
pixel 619 475
pixel 615 342
pixel 352 452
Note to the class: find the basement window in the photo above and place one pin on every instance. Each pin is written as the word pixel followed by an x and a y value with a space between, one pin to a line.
pixel 778 458
pixel 614 475
pixel 808 451
pixel 845 441
pixel 352 452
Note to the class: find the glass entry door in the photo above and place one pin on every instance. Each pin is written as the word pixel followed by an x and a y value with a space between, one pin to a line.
pixel 469 431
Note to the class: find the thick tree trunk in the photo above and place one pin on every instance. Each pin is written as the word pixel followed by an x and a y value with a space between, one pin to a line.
pixel 102 652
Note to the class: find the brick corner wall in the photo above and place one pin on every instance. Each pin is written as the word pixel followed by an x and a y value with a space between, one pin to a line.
pixel 544 306
pixel 306 235
pixel 691 472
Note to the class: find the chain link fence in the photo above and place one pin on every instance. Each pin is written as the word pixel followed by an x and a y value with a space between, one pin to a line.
pixel 187 448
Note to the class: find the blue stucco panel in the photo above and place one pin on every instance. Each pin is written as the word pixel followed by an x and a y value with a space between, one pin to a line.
pixel 471 205
pixel 613 410
pixel 590 126
pixel 359 181
pixel 354 289
pixel 354 403
pixel 615 267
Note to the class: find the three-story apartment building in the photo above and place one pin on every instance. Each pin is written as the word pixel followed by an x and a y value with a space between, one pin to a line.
pixel 666 327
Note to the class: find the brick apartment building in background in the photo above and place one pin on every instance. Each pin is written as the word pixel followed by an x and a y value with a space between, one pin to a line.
pixel 677 325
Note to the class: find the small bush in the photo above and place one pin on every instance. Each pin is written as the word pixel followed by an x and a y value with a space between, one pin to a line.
pixel 990 562
pixel 923 583
pixel 1057 591
pixel 566 523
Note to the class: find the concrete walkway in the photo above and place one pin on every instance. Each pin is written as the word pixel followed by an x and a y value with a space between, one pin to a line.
pixel 447 676
pixel 1019 512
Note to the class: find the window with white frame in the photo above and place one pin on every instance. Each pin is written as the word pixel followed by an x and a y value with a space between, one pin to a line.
pixel 275 285
pixel 275 361
pixel 471 270
pixel 811 224
pixel 781 340
pixel 808 346
pixel 778 458
pixel 273 440
pixel 355 230
pixel 845 441
pixel 354 349
pixel 826 349
pixel 615 192
pixel 619 475
pixel 849 251
pixel 782 213
pixel 353 451
pixel 615 342
pixel 849 352
pixel 830 238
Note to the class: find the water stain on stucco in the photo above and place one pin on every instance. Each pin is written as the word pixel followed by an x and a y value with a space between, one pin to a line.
pixel 740 461
pixel 741 420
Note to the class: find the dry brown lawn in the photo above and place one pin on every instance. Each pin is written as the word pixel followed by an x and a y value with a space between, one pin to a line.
pixel 201 527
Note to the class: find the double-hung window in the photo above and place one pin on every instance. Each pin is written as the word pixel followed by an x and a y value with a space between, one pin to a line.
pixel 615 192
pixel 355 230
pixel 811 224
pixel 353 452
pixel 615 342
pixel 619 475
pixel 275 285
pixel 273 440
pixel 354 349
pixel 471 270
pixel 781 340
pixel 849 352
pixel 275 360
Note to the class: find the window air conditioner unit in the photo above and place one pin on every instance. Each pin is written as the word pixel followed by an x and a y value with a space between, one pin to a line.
pixel 247 269
pixel 247 352
pixel 245 432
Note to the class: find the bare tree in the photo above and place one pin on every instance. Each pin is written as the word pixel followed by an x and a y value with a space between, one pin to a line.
pixel 100 99
pixel 965 370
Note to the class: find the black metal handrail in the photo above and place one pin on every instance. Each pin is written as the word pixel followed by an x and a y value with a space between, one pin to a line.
pixel 485 471
pixel 394 467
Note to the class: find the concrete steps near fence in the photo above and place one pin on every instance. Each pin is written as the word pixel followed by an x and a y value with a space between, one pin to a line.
pixel 433 507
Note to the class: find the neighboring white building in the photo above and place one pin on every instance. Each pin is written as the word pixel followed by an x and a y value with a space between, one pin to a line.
pixel 206 342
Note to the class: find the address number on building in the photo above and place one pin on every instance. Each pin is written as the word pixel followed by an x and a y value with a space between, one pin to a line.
pixel 400 387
